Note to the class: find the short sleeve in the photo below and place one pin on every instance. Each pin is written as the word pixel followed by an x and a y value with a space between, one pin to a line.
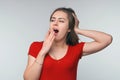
pixel 34 48
pixel 79 49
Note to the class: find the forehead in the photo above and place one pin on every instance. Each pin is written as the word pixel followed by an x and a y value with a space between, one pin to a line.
pixel 60 14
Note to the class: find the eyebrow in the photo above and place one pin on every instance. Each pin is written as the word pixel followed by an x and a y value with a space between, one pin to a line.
pixel 58 18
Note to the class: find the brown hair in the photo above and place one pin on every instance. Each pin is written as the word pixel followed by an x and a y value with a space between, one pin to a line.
pixel 72 37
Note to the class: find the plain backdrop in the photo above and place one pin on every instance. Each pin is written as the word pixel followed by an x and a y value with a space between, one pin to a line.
pixel 25 21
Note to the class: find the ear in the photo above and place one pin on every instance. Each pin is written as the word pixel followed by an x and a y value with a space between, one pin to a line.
pixel 69 30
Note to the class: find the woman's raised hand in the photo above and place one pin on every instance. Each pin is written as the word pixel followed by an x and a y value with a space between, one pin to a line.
pixel 48 42
pixel 76 27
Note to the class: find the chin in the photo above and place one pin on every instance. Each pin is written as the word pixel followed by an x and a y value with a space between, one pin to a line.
pixel 59 39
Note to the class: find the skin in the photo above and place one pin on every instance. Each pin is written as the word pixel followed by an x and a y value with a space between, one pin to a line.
pixel 56 43
pixel 100 39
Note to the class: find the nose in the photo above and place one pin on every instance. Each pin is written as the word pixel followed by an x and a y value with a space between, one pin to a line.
pixel 55 23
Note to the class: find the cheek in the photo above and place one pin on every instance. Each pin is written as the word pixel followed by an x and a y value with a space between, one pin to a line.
pixel 65 25
pixel 65 28
pixel 64 31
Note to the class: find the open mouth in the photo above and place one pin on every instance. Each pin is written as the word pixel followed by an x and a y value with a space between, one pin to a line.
pixel 56 31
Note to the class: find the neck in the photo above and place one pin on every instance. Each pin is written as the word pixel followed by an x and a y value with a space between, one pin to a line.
pixel 61 44
pixel 57 45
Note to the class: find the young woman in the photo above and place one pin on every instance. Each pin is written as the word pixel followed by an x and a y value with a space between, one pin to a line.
pixel 56 58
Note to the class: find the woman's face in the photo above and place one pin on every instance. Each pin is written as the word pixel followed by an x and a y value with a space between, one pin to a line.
pixel 59 23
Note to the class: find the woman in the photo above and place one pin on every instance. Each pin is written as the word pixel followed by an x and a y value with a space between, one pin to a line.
pixel 56 58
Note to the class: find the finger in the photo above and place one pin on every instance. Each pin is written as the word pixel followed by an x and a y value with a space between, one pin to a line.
pixel 52 40
pixel 76 20
pixel 75 16
pixel 52 35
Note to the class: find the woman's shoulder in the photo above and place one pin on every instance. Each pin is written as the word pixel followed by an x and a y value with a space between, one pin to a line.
pixel 80 44
pixel 36 43
pixel 35 48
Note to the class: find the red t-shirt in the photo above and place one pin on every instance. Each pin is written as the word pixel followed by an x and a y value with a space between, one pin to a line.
pixel 62 69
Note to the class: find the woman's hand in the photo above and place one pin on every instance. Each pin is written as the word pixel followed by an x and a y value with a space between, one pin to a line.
pixel 48 42
pixel 76 27
pixel 100 39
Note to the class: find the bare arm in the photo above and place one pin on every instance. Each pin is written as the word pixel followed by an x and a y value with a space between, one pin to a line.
pixel 100 40
pixel 34 66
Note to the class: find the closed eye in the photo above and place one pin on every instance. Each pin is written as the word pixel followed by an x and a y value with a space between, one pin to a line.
pixel 52 20
pixel 61 21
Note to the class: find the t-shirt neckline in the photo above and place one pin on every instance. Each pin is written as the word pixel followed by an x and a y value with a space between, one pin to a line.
pixel 68 49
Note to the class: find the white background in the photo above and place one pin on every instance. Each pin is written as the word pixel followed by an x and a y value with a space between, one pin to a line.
pixel 25 21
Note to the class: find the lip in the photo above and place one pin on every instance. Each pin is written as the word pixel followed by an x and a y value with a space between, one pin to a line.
pixel 56 30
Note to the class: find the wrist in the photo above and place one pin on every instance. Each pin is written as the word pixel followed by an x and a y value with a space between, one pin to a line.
pixel 36 61
pixel 40 58
pixel 42 53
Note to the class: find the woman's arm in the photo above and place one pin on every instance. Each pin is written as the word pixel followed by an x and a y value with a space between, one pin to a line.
pixel 34 66
pixel 101 40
